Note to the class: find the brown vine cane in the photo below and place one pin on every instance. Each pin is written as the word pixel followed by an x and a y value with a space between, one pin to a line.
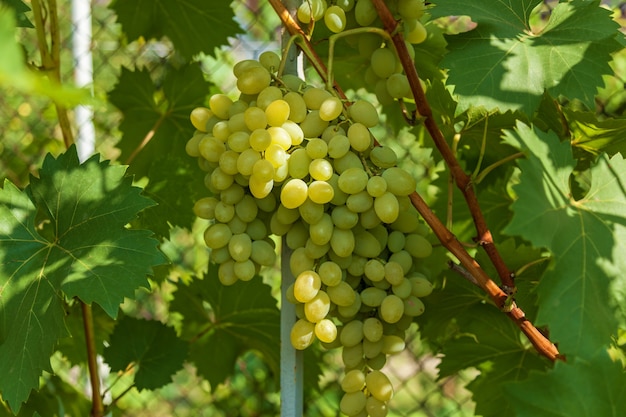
pixel 445 236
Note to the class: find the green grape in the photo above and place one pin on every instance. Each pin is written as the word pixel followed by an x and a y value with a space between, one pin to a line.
pixel 260 188
pixel 280 137
pixel 372 329
pixel 224 212
pixel 226 273
pixel 302 334
pixel 321 192
pixel 403 289
pixel 330 273
pixel 346 5
pixel 355 269
pixel 374 270
pixel 341 294
pixel 372 296
pixel 221 131
pixel 325 330
pixel 404 259
pixel 376 186
pixel 392 344
pixel 398 86
pixel 217 235
pixel 287 216
pixel 353 180
pixel 299 262
pixel 352 403
pixel 244 270
pixel 263 170
pixel 407 222
pixel 315 251
pixel 306 286
pixel 317 308
pixel 256 229
pixel 276 155
pixel 383 62
pixel 342 242
pixel 360 202
pixel 421 286
pixel 383 157
pixel 367 43
pixel 372 349
pixel 339 197
pixel 205 207
pixel 359 137
pixel 267 96
pixel 263 253
pixel 316 148
pixel 413 306
pixel 375 407
pixel 411 9
pixel 311 212
pixel 416 33
pixel 343 218
pixel 239 141
pixel 331 108
pixel 255 118
pixel 267 203
pixel 394 273
pixel 349 160
pixel 253 80
pixel 382 94
pixel 297 106
pixel 399 182
pixel 312 126
pixel 331 131
pixel 392 308
pixel 297 236
pixel 396 241
pixel 418 246
pixel 238 108
pixel 210 148
pixel 232 195
pixel 220 105
pixel 246 161
pixel 295 131
pixel 191 147
pixel 348 312
pixel 364 112
pixel 353 381
pixel 314 97
pixel 322 231
pixel 352 356
pixel 237 124
pixel 199 118
pixel 321 169
pixel 379 386
pixel 335 19
pixel 387 207
pixel 220 256
pixel 277 112
pixel 298 163
pixel 244 65
pixel 351 333
pixel 365 12
pixel 338 146
pixel 270 60
pixel 293 82
pixel 366 245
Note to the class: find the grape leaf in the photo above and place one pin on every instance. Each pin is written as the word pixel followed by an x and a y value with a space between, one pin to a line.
pixel 595 135
pixel 193 26
pixel 503 64
pixel 241 317
pixel 151 346
pixel 574 298
pixel 576 388
pixel 64 236
pixel 20 8
pixel 166 124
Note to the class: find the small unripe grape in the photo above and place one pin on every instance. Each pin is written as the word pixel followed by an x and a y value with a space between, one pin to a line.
pixel 353 180
pixel 387 207
pixel 217 235
pixel 352 403
pixel 421 286
pixel 314 97
pixel 365 12
pixel 338 146
pixel 372 329
pixel 413 306
pixel 364 112
pixel 270 60
pixel 399 182
pixel 342 242
pixel 416 32
pixel 335 19
pixel 379 386
pixel 372 296
pixel 351 333
pixel 353 381
pixel 392 308
pixel 330 273
pixel 341 294
pixel 359 137
pixel 205 207
pixel 383 62
pixel 263 253
pixel 253 80
pixel 392 344
pixel 418 246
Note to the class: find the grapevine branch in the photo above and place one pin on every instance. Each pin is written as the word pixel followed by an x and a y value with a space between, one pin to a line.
pixel 500 298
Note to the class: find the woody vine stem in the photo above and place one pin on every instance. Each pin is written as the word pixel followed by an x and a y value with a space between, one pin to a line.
pixel 500 295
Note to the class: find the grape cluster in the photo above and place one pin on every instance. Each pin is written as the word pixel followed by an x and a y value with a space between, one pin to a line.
pixel 291 160
pixel 384 71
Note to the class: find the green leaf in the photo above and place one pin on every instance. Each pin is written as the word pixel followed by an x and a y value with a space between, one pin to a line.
pixel 576 388
pixel 67 240
pixel 150 346
pixel 503 64
pixel 193 26
pixel 15 75
pixel 20 8
pixel 161 116
pixel 242 316
pixel 596 136
pixel 574 297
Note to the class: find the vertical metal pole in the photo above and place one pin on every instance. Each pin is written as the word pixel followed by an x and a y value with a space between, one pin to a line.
pixel 83 75
pixel 291 364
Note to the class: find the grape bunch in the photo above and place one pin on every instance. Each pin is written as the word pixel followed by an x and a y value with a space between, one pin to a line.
pixel 292 160
pixel 384 71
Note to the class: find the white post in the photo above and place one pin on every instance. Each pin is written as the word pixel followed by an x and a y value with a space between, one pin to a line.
pixel 291 364
pixel 83 75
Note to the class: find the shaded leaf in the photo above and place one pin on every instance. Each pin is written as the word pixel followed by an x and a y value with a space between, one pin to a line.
pixel 596 136
pixel 151 346
pixel 225 321
pixel 64 237
pixel 574 297
pixel 20 9
pixel 193 26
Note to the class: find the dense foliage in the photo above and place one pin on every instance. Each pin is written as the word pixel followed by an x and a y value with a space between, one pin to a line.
pixel 513 134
